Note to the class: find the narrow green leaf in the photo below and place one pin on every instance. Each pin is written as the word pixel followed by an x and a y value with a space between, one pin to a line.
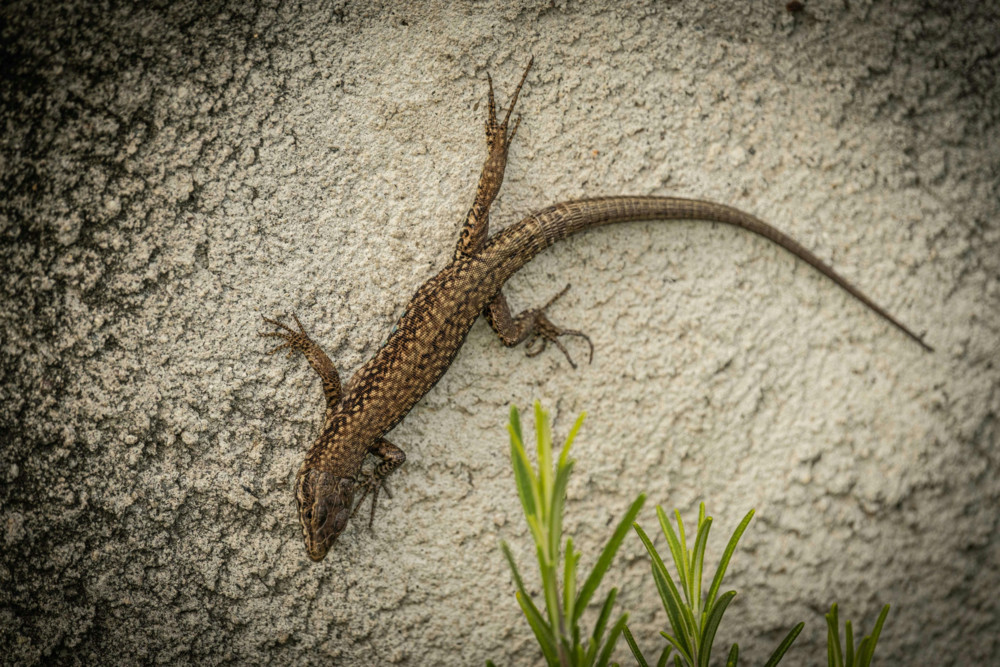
pixel 557 503
pixel 682 621
pixel 636 653
pixel 711 626
pixel 685 561
pixel 677 547
pixel 569 579
pixel 489 663
pixel 848 645
pixel 518 582
pixel 834 656
pixel 664 656
pixel 515 422
pixel 734 656
pixel 607 555
pixel 543 438
pixel 672 605
pixel 684 548
pixel 550 587
pixel 690 623
pixel 724 561
pixel 695 566
pixel 524 476
pixel 680 649
pixel 543 633
pixel 783 647
pixel 870 652
pixel 878 626
pixel 863 648
pixel 671 599
pixel 616 631
pixel 698 561
pixel 591 654
pixel 564 454
pixel 602 618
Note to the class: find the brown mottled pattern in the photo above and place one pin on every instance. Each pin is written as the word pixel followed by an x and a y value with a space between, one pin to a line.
pixel 441 313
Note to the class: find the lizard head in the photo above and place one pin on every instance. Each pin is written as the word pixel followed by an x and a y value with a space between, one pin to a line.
pixel 325 503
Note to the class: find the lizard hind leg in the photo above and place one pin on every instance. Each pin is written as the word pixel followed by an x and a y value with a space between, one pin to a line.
pixel 498 140
pixel 531 323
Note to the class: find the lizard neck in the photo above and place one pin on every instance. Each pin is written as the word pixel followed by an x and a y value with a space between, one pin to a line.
pixel 340 448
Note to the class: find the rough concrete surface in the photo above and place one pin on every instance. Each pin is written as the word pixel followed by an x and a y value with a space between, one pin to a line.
pixel 172 171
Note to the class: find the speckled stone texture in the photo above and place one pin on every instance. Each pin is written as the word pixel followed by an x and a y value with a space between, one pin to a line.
pixel 172 171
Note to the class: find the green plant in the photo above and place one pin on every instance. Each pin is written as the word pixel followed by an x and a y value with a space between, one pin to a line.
pixel 849 657
pixel 543 496
pixel 694 619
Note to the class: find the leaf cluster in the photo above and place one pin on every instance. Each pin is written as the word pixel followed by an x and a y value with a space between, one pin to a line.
pixel 693 612
pixel 543 495
pixel 694 618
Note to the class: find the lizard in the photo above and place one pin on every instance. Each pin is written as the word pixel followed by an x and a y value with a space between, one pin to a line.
pixel 438 317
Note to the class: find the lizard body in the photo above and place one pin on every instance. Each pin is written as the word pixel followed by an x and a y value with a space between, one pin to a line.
pixel 438 318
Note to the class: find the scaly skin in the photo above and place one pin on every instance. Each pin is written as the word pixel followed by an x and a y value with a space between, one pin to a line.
pixel 439 316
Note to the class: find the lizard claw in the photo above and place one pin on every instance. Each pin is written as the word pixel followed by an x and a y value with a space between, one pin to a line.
pixel 547 332
pixel 491 119
pixel 294 340
pixel 496 133
pixel 517 91
pixel 510 137
pixel 370 482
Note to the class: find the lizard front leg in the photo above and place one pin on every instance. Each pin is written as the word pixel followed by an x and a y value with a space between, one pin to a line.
pixel 477 221
pixel 531 322
pixel 392 457
pixel 300 341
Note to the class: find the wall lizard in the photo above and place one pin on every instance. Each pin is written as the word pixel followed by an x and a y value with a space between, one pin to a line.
pixel 439 316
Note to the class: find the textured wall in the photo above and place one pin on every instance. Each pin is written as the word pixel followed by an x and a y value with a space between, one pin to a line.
pixel 171 174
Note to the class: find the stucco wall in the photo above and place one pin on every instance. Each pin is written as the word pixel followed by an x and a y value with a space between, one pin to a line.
pixel 171 174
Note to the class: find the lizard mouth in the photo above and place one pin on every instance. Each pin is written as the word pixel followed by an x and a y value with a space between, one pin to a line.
pixel 324 508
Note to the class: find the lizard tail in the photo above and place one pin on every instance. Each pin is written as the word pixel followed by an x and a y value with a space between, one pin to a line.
pixel 516 245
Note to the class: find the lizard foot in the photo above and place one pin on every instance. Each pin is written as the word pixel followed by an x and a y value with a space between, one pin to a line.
pixel 370 482
pixel 547 332
pixel 496 133
pixel 294 340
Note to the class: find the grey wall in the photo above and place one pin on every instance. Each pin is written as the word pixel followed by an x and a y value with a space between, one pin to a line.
pixel 171 174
